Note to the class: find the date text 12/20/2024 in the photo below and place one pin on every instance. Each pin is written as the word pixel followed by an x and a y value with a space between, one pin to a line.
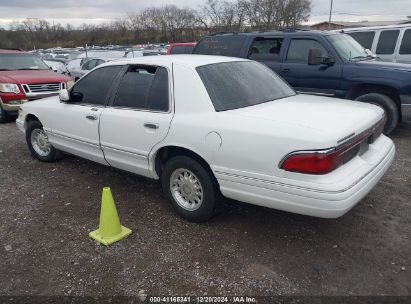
pixel 202 299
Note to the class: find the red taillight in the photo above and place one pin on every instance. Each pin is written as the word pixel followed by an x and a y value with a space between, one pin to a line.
pixel 325 161
pixel 316 162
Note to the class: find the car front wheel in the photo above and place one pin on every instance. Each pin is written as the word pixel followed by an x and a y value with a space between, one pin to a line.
pixel 190 188
pixel 38 143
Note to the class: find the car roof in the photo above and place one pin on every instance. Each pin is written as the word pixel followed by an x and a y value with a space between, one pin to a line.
pixel 367 28
pixel 182 43
pixel 275 33
pixel 187 60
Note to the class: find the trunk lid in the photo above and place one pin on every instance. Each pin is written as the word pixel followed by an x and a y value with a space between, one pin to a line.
pixel 336 119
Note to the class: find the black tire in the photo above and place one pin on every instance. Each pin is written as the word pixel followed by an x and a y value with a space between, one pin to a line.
pixel 4 116
pixel 52 156
pixel 388 105
pixel 206 180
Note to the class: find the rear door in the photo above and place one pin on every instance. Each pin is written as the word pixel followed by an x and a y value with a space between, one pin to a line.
pixel 305 78
pixel 137 118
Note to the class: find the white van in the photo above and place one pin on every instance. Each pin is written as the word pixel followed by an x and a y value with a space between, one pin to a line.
pixel 390 43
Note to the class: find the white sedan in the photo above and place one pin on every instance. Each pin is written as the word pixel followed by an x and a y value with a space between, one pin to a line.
pixel 208 125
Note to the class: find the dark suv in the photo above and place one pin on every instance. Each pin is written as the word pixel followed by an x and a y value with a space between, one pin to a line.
pixel 321 63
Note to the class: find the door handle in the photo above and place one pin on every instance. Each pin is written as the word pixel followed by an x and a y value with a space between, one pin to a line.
pixel 151 125
pixel 285 71
pixel 91 117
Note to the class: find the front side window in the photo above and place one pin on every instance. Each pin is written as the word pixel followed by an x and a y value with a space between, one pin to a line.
pixel 94 88
pixel 144 87
pixel 405 48
pixel 12 62
pixel 239 84
pixel 364 38
pixel 299 49
pixel 387 42
pixel 265 48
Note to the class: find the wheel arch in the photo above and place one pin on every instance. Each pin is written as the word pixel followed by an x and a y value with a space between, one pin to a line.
pixel 164 153
pixel 28 118
pixel 366 88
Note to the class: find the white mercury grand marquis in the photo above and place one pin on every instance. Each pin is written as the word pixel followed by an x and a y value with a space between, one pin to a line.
pixel 209 125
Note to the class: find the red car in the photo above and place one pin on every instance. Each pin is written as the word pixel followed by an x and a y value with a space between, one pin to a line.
pixel 181 48
pixel 25 77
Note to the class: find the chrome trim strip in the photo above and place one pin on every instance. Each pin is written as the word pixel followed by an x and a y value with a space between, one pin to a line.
pixel 124 151
pixel 74 139
pixel 317 93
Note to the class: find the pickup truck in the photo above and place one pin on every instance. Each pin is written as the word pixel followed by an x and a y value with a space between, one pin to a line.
pixel 25 77
pixel 322 63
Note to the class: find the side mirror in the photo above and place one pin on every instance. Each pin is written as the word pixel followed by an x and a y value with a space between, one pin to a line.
pixel 315 57
pixel 64 95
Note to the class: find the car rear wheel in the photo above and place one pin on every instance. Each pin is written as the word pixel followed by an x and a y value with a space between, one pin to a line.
pixel 4 116
pixel 38 143
pixel 387 104
pixel 190 188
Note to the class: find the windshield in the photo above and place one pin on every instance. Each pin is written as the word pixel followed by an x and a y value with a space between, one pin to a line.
pixel 239 84
pixel 347 47
pixel 21 62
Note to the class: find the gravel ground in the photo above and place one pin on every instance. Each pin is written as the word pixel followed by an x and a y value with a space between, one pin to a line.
pixel 47 211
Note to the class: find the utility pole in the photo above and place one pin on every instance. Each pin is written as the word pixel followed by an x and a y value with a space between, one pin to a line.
pixel 329 19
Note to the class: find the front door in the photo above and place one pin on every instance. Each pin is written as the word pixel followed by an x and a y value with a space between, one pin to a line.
pixel 137 118
pixel 318 79
pixel 75 127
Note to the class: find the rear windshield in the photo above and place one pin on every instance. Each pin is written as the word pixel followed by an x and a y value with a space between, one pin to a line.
pixel 220 45
pixel 233 85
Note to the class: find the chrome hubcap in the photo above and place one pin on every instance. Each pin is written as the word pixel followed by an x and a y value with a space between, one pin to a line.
pixel 40 142
pixel 186 189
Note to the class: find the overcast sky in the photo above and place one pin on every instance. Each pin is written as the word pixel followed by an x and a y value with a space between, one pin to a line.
pixel 97 11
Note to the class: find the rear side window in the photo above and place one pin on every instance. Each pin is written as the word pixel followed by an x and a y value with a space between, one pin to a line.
pixel 144 87
pixel 229 45
pixel 178 49
pixel 89 64
pixel 94 88
pixel 265 48
pixel 299 48
pixel 364 38
pixel 406 43
pixel 387 42
pixel 238 84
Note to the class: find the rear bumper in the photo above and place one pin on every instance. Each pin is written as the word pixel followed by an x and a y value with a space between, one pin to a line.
pixel 313 202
